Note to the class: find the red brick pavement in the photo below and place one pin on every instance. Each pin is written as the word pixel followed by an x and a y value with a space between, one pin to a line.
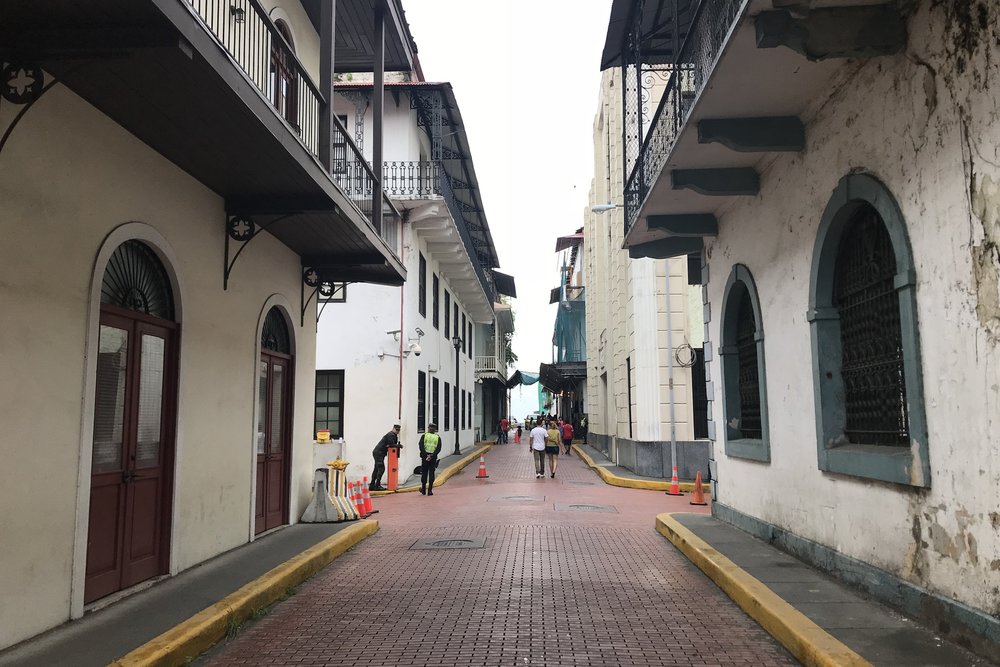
pixel 549 587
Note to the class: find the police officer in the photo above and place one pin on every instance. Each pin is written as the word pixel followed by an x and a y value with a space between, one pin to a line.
pixel 430 447
pixel 390 439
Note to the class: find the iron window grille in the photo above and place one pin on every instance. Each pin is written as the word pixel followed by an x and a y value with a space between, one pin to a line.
pixel 463 329
pixel 330 402
pixel 749 425
pixel 135 279
pixel 871 338
pixel 274 334
pixel 458 411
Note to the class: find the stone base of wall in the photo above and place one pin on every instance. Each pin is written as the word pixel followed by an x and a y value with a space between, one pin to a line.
pixel 651 458
pixel 962 624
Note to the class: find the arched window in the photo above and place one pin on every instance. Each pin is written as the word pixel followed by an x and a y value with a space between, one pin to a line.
pixel 136 280
pixel 866 358
pixel 743 377
pixel 284 80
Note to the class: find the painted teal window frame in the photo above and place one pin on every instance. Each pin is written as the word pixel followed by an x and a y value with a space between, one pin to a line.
pixel 899 465
pixel 754 449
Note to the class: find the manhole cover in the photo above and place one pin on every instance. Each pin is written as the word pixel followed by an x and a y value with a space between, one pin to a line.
pixel 584 507
pixel 449 543
pixel 516 499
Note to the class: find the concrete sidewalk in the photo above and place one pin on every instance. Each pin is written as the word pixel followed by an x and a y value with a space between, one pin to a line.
pixel 616 475
pixel 820 621
pixel 180 617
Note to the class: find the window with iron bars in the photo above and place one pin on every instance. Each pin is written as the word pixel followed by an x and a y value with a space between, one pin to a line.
pixel 871 339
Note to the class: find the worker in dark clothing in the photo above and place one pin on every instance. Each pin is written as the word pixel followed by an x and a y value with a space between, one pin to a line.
pixel 430 447
pixel 390 439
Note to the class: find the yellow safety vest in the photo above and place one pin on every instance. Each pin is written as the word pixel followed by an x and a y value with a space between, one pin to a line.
pixel 431 442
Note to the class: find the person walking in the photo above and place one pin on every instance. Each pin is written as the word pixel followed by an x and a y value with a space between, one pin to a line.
pixel 517 436
pixel 504 427
pixel 430 447
pixel 567 436
pixel 390 439
pixel 583 427
pixel 536 445
pixel 552 448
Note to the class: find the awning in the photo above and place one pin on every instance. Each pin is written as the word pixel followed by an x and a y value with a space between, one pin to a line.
pixel 657 43
pixel 554 294
pixel 564 242
pixel 563 376
pixel 504 284
pixel 517 377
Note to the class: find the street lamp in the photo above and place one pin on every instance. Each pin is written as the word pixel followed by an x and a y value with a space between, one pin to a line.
pixel 457 342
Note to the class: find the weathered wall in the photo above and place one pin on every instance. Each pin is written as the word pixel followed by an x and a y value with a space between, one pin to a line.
pixel 926 124
pixel 69 176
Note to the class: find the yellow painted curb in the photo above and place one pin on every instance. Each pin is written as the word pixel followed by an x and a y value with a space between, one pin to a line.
pixel 647 484
pixel 809 643
pixel 445 475
pixel 200 632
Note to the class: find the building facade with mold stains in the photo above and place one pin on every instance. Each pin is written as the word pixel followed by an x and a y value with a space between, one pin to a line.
pixel 816 163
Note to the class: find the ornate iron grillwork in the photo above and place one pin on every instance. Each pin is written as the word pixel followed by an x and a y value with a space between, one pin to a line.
pixel 705 37
pixel 136 280
pixel 871 338
pixel 274 336
pixel 632 93
pixel 746 352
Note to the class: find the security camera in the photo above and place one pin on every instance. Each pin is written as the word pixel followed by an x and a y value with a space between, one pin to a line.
pixel 415 349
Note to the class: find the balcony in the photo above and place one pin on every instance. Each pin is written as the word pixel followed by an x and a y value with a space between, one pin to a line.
pixel 490 366
pixel 214 87
pixel 417 180
pixel 730 80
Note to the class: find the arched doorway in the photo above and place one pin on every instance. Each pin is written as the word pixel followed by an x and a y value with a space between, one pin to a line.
pixel 274 406
pixel 133 447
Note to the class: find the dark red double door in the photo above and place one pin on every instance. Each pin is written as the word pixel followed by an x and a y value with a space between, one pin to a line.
pixel 132 459
pixel 273 435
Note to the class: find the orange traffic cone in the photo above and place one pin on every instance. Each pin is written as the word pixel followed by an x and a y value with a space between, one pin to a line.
pixel 698 497
pixel 675 487
pixel 482 468
pixel 356 499
pixel 366 498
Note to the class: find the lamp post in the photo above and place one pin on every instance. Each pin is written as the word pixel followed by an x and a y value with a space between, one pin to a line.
pixel 457 342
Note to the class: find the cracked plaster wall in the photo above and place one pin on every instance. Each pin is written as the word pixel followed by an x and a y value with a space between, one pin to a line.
pixel 926 124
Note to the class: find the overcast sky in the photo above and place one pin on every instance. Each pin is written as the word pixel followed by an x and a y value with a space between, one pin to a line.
pixel 526 76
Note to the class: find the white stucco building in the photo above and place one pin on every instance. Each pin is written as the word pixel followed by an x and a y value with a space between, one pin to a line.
pixel 367 341
pixel 837 170
pixel 633 411
pixel 162 191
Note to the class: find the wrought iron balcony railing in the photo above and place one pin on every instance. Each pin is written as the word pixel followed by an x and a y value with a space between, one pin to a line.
pixel 403 179
pixel 244 29
pixel 709 29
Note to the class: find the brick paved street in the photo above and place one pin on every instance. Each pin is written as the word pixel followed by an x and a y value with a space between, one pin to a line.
pixel 553 585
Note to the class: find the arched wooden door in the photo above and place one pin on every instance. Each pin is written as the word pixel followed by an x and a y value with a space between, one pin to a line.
pixel 133 450
pixel 274 396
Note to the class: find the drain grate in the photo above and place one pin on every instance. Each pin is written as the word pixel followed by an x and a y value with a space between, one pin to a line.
pixel 584 507
pixel 580 483
pixel 449 543
pixel 516 499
